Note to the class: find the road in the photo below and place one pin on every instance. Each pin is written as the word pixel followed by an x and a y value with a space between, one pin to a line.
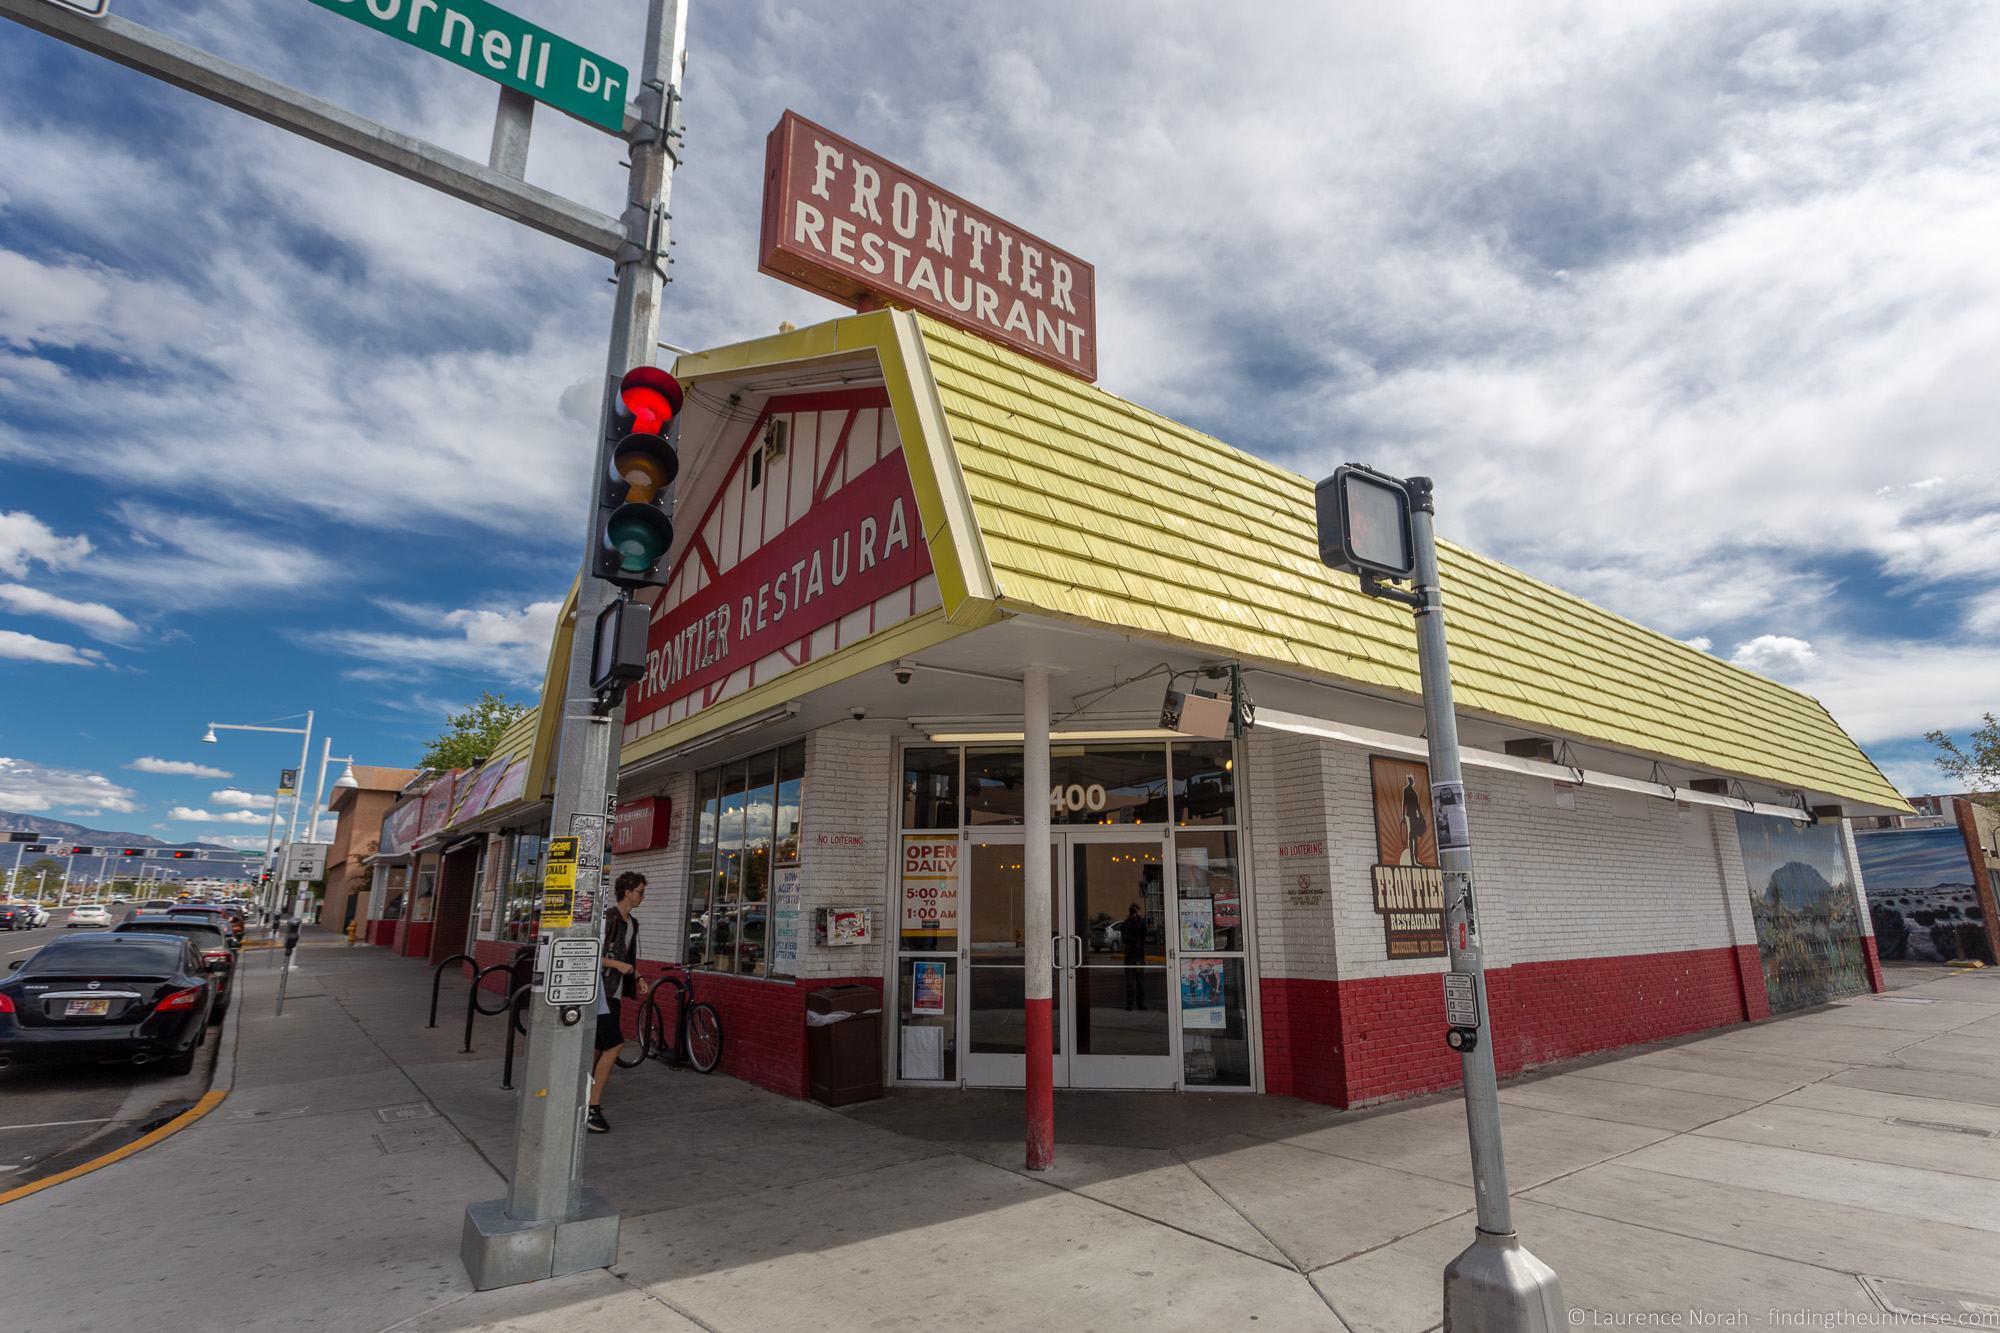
pixel 54 1118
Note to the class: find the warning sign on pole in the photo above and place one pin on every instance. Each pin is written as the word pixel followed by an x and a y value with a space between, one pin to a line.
pixel 559 885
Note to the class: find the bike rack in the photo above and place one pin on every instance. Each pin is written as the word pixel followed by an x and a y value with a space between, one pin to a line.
pixel 513 1022
pixel 437 980
pixel 473 1007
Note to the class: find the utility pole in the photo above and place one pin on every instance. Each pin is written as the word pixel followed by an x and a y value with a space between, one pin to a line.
pixel 550 1223
pixel 1380 527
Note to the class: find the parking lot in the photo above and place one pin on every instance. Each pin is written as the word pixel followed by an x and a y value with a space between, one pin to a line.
pixel 54 1117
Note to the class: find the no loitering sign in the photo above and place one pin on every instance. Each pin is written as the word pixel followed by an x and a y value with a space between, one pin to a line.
pixel 505 48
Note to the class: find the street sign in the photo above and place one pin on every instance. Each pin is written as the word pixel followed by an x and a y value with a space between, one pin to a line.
pixel 305 860
pixel 572 975
pixel 92 9
pixel 1364 523
pixel 505 48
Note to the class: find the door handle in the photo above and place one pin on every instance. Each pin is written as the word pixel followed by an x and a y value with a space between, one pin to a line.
pixel 1078 941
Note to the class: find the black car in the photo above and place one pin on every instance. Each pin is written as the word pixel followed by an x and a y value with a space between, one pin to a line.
pixel 17 916
pixel 206 934
pixel 141 997
pixel 232 922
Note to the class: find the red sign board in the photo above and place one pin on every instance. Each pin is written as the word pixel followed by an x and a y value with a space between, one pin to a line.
pixel 642 825
pixel 842 222
pixel 862 543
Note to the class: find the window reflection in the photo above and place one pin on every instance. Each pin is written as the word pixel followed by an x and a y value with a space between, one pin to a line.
pixel 746 824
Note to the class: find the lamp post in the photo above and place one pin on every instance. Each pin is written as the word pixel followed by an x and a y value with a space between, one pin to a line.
pixel 305 749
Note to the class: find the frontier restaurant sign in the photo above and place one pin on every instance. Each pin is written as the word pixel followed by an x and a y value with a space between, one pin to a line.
pixel 840 221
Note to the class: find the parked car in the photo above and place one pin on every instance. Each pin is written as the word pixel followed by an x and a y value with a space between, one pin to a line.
pixel 138 997
pixel 18 916
pixel 121 902
pixel 157 904
pixel 208 939
pixel 233 921
pixel 90 914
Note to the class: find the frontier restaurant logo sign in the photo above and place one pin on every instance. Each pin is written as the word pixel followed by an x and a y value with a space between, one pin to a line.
pixel 840 221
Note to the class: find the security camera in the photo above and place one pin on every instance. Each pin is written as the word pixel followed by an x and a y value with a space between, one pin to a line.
pixel 857 712
pixel 903 672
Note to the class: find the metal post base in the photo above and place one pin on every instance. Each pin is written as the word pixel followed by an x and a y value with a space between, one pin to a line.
pixel 1497 1285
pixel 498 1251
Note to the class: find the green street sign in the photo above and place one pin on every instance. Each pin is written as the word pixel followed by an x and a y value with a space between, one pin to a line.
pixel 504 48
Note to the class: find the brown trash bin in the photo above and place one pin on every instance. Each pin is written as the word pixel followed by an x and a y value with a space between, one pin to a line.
pixel 844 1043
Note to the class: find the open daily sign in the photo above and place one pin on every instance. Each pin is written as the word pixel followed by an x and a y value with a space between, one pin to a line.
pixel 505 48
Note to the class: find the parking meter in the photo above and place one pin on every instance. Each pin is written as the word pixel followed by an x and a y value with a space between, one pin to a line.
pixel 291 934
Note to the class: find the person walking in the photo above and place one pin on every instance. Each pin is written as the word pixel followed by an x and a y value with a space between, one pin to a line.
pixel 621 978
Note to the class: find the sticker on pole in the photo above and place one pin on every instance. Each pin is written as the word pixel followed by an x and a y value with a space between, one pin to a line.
pixel 559 885
pixel 1448 801
pixel 1461 1003
pixel 572 976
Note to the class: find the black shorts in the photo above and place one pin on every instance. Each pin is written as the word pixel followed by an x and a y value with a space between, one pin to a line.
pixel 610 1031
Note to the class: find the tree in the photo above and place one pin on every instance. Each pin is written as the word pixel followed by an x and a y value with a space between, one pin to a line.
pixel 470 736
pixel 1978 768
pixel 32 875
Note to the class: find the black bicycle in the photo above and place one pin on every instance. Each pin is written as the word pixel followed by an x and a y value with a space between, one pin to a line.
pixel 696 1027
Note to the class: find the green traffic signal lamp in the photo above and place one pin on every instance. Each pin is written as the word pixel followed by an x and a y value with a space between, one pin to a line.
pixel 635 524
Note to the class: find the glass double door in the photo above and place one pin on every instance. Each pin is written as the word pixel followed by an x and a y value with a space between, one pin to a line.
pixel 1111 902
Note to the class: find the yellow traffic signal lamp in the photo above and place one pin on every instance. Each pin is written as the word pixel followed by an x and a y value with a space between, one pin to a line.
pixel 635 525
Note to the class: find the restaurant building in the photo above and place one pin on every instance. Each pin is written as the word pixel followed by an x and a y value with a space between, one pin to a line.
pixel 890 524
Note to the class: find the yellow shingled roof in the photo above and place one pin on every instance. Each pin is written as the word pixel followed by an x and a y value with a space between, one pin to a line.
pixel 1095 509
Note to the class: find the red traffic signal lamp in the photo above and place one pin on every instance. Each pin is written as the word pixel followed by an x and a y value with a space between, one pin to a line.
pixel 635 526
pixel 182 855
pixel 132 851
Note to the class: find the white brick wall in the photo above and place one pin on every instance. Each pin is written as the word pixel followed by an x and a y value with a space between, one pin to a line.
pixel 1853 855
pixel 844 854
pixel 663 920
pixel 1619 874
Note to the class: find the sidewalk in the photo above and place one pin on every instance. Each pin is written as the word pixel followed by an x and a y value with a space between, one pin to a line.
pixel 1780 1167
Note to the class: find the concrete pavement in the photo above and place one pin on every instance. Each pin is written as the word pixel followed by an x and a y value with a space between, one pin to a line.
pixel 1841 1160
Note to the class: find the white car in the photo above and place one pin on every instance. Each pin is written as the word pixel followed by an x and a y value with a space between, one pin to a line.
pixel 90 914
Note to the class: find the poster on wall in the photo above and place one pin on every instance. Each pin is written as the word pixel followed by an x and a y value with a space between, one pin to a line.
pixel 927 987
pixel 1197 924
pixel 1409 889
pixel 788 896
pixel 1202 1004
pixel 930 892
pixel 1922 898
pixel 1808 923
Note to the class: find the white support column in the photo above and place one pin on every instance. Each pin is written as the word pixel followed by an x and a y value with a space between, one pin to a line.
pixel 1038 925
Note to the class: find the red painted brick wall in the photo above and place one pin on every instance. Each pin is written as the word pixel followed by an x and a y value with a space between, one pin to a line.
pixel 416 940
pixel 1873 957
pixel 1750 979
pixel 1384 1036
pixel 763 1023
pixel 382 934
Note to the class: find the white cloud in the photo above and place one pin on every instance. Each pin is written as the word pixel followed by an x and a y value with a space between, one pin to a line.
pixel 32 788
pixel 247 799
pixel 1982 614
pixel 497 642
pixel 100 619
pixel 23 537
pixel 1775 655
pixel 185 560
pixel 27 648
pixel 1890 689
pixel 1701 643
pixel 182 814
pixel 176 768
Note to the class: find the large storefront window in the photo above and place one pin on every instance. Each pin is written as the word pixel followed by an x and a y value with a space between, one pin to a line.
pixel 520 895
pixel 746 828
pixel 395 891
pixel 1147 898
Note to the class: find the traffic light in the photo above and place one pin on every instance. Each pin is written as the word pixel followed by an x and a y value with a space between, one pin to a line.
pixel 83 851
pixel 182 855
pixel 132 851
pixel 635 529
pixel 22 836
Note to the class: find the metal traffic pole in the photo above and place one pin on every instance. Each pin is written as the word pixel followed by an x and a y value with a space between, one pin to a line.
pixel 550 1223
pixel 1380 527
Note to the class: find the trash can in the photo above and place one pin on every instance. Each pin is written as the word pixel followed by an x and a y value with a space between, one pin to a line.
pixel 844 1043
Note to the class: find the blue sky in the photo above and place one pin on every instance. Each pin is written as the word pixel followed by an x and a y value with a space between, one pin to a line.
pixel 1690 309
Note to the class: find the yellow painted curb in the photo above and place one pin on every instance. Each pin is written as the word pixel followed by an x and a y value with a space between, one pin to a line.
pixel 209 1101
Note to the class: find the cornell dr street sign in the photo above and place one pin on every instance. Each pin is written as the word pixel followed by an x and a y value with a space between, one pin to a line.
pixel 505 48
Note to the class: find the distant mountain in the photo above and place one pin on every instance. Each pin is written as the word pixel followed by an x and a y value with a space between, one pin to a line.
pixel 1797 885
pixel 88 837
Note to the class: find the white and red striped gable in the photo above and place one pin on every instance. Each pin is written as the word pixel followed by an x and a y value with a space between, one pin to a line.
pixel 808 544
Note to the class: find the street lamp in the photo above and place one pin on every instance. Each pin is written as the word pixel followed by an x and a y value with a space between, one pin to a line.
pixel 305 749
pixel 346 780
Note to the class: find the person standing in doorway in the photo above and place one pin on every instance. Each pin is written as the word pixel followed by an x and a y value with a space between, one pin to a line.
pixel 1132 934
pixel 621 979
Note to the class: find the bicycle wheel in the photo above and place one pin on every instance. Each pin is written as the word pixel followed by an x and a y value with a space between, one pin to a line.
pixel 635 1050
pixel 652 1032
pixel 704 1038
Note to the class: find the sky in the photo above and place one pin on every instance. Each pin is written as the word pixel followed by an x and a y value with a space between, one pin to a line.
pixel 1691 309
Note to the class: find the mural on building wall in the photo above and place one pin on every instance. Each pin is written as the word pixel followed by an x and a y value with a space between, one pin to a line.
pixel 1808 924
pixel 1409 889
pixel 1921 897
